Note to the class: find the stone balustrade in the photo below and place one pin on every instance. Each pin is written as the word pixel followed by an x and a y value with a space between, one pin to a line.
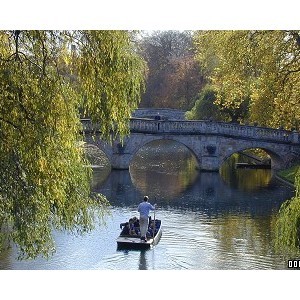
pixel 213 128
pixel 141 125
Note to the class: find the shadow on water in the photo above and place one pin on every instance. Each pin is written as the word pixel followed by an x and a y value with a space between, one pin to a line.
pixel 209 192
pixel 142 262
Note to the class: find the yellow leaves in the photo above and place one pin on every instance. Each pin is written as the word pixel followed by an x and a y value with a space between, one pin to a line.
pixel 116 81
pixel 262 65
pixel 42 163
pixel 47 183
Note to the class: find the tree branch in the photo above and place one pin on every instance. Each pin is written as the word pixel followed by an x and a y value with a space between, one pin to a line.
pixel 288 72
pixel 12 124
pixel 20 102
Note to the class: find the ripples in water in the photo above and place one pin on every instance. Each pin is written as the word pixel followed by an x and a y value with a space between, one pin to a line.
pixel 189 241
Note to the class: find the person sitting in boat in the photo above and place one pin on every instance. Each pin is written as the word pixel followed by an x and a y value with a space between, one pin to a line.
pixel 126 229
pixel 122 225
pixel 150 230
pixel 133 230
pixel 136 224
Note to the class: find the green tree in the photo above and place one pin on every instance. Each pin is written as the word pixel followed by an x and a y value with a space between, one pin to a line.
pixel 205 108
pixel 262 68
pixel 259 67
pixel 46 77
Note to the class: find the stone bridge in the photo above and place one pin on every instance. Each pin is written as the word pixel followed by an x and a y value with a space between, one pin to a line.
pixel 211 142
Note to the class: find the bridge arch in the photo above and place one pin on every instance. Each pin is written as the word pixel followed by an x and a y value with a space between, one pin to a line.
pixel 150 139
pixel 277 157
pixel 95 155
pixel 103 146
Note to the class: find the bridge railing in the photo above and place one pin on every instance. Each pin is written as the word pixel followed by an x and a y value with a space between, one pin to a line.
pixel 204 127
pixel 208 127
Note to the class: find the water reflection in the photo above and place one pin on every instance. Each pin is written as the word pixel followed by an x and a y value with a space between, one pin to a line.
pixel 244 179
pixel 163 163
pixel 143 261
pixel 238 234
pixel 208 193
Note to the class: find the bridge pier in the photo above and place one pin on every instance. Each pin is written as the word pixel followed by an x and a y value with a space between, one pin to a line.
pixel 209 163
pixel 120 161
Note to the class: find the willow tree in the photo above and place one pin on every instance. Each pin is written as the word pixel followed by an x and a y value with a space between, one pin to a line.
pixel 261 67
pixel 47 78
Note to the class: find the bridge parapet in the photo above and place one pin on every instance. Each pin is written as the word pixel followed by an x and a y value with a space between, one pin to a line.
pixel 217 128
pixel 141 125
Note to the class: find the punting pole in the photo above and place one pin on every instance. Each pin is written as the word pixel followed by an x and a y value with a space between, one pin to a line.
pixel 154 225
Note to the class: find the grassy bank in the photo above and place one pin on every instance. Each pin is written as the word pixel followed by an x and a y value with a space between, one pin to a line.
pixel 289 174
pixel 287 237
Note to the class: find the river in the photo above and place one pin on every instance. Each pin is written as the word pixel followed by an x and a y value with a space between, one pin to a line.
pixel 211 221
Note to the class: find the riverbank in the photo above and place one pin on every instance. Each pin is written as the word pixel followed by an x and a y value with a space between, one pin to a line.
pixel 288 175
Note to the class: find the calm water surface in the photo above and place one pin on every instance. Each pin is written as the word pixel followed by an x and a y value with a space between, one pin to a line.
pixel 210 220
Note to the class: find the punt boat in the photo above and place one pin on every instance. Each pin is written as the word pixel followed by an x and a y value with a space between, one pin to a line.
pixel 135 242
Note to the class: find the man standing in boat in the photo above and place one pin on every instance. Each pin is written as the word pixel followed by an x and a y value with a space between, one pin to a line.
pixel 144 209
